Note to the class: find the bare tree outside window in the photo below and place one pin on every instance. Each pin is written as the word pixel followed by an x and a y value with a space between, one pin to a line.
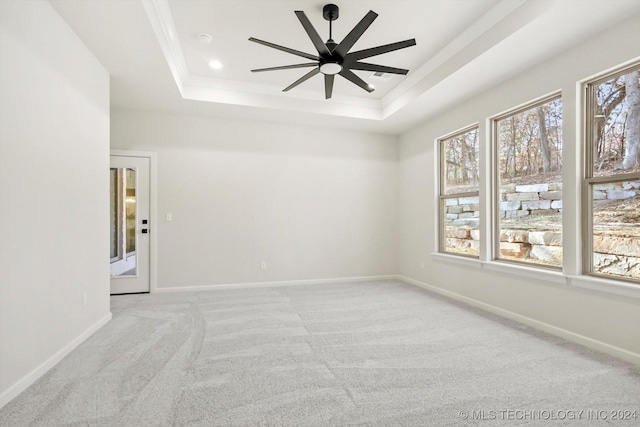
pixel 616 125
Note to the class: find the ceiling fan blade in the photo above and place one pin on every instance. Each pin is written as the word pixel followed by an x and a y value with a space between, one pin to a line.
pixel 286 67
pixel 285 49
pixel 302 79
pixel 375 67
pixel 328 85
pixel 349 75
pixel 312 33
pixel 379 50
pixel 351 39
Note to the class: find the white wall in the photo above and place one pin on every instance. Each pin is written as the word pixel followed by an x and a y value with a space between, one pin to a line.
pixel 54 160
pixel 605 321
pixel 311 203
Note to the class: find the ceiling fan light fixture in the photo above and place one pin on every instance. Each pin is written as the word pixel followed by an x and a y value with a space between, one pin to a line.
pixel 330 68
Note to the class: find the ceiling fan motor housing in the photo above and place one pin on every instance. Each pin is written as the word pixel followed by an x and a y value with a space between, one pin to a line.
pixel 331 12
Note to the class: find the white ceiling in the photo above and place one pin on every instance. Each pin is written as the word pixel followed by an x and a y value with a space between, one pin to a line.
pixel 156 62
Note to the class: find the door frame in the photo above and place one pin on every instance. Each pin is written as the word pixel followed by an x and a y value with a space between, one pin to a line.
pixel 153 208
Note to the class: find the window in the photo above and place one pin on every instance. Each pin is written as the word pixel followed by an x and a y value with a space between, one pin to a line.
pixel 459 197
pixel 528 172
pixel 612 175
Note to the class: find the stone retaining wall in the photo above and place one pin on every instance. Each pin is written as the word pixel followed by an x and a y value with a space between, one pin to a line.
pixel 612 254
pixel 533 199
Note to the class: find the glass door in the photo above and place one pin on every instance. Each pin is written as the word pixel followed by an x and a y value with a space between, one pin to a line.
pixel 129 226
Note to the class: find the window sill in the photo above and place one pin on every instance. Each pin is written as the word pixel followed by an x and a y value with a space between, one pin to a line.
pixel 538 274
pixel 455 259
pixel 590 283
pixel 604 285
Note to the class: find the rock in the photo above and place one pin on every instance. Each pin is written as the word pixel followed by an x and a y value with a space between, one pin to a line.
pixel 510 206
pixel 469 200
pixel 455 209
pixel 546 238
pixel 451 242
pixel 451 217
pixel 607 187
pixel 543 211
pixel 599 195
pixel 620 194
pixel 556 204
pixel 516 214
pixel 514 236
pixel 458 233
pixel 512 197
pixel 471 208
pixel 518 250
pixel 532 188
pixel 617 265
pixel 550 254
pixel 555 186
pixel 551 195
pixel 466 215
pixel 475 234
pixel 451 202
pixel 507 188
pixel 471 222
pixel 613 245
pixel 536 204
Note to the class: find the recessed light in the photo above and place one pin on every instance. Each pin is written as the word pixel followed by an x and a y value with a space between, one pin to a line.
pixel 205 38
pixel 215 64
pixel 371 86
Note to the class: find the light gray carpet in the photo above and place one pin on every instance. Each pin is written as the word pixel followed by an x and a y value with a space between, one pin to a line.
pixel 376 354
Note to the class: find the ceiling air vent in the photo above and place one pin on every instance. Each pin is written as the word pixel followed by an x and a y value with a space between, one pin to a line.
pixel 380 75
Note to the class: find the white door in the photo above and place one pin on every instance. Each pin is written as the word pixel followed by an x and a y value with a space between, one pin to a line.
pixel 129 224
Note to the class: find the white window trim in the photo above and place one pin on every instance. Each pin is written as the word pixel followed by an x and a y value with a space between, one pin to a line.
pixel 588 179
pixel 494 177
pixel 440 196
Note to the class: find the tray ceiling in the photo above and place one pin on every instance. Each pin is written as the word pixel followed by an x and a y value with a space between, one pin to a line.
pixel 156 61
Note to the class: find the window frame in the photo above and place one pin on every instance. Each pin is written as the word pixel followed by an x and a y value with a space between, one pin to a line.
pixel 588 179
pixel 495 180
pixel 442 197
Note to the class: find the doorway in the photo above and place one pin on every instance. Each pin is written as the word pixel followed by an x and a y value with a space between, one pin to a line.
pixel 129 224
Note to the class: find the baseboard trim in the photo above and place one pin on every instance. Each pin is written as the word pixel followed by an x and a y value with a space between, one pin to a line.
pixel 546 327
pixel 22 384
pixel 275 284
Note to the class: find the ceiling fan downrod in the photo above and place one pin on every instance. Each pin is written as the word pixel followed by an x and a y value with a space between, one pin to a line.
pixel 333 64
pixel 331 12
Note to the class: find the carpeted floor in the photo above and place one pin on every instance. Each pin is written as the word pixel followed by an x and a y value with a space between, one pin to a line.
pixel 371 354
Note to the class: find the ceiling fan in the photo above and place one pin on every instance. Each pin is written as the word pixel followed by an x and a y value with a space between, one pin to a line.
pixel 334 58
